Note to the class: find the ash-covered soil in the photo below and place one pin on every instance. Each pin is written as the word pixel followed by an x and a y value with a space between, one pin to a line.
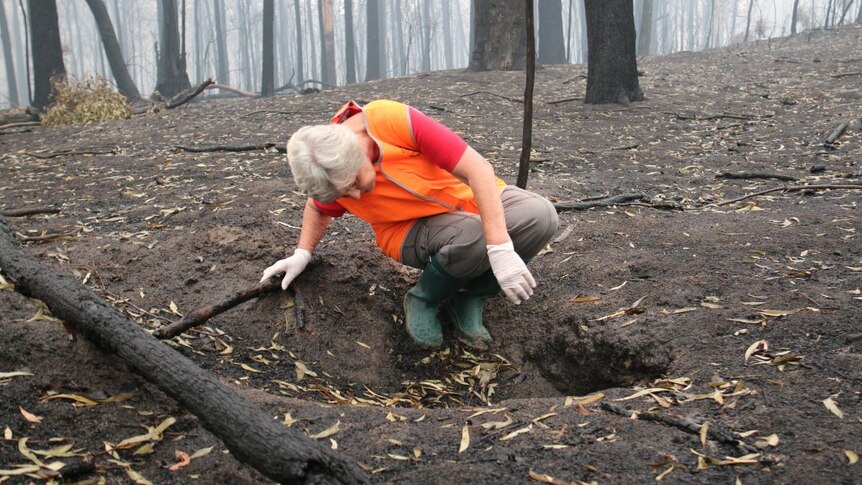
pixel 735 320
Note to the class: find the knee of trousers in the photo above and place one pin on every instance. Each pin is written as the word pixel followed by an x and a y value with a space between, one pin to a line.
pixel 466 257
pixel 540 224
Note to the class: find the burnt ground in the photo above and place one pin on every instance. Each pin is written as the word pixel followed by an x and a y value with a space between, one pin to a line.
pixel 662 302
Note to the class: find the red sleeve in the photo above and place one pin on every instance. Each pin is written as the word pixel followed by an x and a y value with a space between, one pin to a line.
pixel 333 209
pixel 435 141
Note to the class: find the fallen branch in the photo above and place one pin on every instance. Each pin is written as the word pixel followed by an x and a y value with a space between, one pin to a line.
pixel 565 100
pixel 754 175
pixel 28 211
pixel 46 237
pixel 720 435
pixel 248 432
pixel 830 140
pixel 229 89
pixel 514 100
pixel 790 188
pixel 235 148
pixel 714 117
pixel 203 314
pixel 603 202
pixel 20 124
pixel 185 99
pixel 72 151
pixel 846 74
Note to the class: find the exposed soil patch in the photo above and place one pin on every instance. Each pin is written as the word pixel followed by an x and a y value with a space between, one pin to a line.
pixel 635 298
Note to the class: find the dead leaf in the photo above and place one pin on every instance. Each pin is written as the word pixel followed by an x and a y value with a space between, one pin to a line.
pixel 498 424
pixel 153 434
pixel 585 299
pixel 79 399
pixel 779 313
pixel 202 452
pixel 585 400
pixel 852 457
pixel 9 375
pixel 29 416
pixel 759 345
pixel 7 433
pixel 516 433
pixel 184 458
pixel 642 393
pixel 541 477
pixel 302 370
pixel 465 439
pixel 831 406
pixel 704 432
pixel 335 428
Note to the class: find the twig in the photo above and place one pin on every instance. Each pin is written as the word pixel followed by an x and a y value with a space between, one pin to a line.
pixel 203 314
pixel 238 148
pixel 72 151
pixel 276 111
pixel 845 74
pixel 198 90
pixel 721 435
pixel 20 124
pixel 830 140
pixel 229 89
pixel 714 117
pixel 514 100
pixel 790 188
pixel 29 211
pixel 565 100
pixel 604 202
pixel 754 175
pixel 45 237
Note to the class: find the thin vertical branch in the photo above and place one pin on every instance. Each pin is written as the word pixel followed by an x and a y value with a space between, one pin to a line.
pixel 527 139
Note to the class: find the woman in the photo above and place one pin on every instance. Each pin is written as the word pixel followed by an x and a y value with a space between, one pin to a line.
pixel 433 202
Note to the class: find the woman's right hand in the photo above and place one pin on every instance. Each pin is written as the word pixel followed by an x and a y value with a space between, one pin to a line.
pixel 291 267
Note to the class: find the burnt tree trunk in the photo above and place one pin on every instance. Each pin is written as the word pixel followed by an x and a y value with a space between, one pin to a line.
pixel 349 43
pixel 552 46
pixel 612 70
pixel 499 36
pixel 794 17
pixel 46 50
pixel 172 76
pixel 372 41
pixel 267 87
pixel 112 50
pixel 7 56
pixel 645 37
pixel 246 430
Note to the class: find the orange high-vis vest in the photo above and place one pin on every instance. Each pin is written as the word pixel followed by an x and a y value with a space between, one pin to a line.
pixel 408 185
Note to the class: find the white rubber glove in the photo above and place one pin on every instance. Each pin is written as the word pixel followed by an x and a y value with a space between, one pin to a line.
pixel 291 267
pixel 511 272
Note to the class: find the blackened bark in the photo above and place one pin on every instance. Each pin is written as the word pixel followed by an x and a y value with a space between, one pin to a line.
pixel 372 41
pixel 527 138
pixel 794 17
pixel 112 50
pixel 46 49
pixel 247 431
pixel 748 19
pixel 223 69
pixel 612 71
pixel 300 57
pixel 552 47
pixel 267 77
pixel 327 42
pixel 499 36
pixel 172 78
pixel 349 43
pixel 7 56
pixel 645 37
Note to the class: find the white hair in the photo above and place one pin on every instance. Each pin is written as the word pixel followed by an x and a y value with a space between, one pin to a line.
pixel 324 160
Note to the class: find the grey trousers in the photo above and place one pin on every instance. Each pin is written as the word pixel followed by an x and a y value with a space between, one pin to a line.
pixel 458 240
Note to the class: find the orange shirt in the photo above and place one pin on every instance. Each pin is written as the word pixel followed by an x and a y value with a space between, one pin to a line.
pixel 411 183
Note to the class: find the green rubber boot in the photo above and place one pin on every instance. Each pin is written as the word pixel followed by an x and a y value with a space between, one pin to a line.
pixel 423 300
pixel 465 310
